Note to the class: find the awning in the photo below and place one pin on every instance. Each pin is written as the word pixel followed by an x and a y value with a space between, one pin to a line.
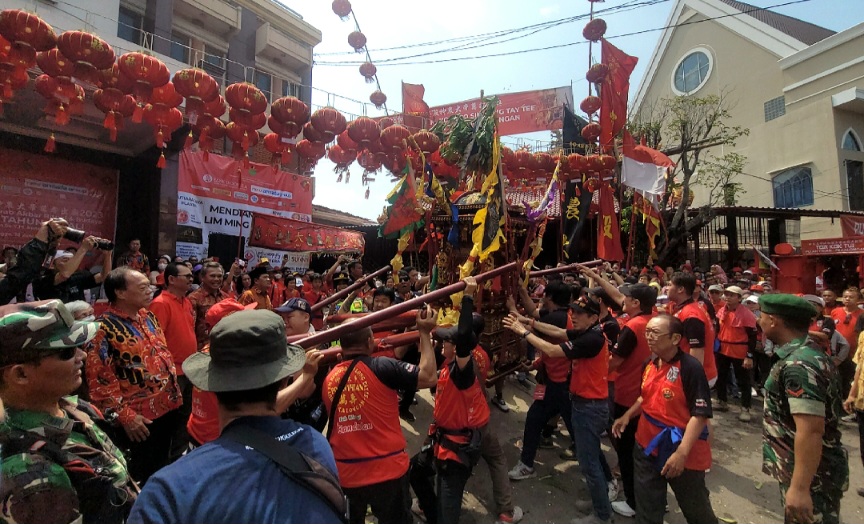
pixel 285 234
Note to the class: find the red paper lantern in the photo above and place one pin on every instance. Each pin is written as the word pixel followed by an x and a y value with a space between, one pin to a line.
pixel 543 163
pixel 215 108
pixel 275 144
pixel 145 73
pixel 364 131
pixel 53 63
pixel 522 159
pixel 341 157
pixel 577 163
pixel 329 123
pixel 166 96
pixel 590 105
pixel 310 153
pixel 346 143
pixel 378 98
pixel 88 52
pixel 342 8
pixel 608 162
pixel 597 73
pixel 197 87
pixel 209 128
pixel 311 134
pixel 63 97
pixel 594 30
pixel 396 162
pixel 27 35
pixel 252 122
pixel 428 142
pixel 242 137
pixel 385 122
pixel 393 139
pixel 369 161
pixel 368 70
pixel 165 120
pixel 591 131
pixel 357 40
pixel 116 105
pixel 246 98
pixel 292 113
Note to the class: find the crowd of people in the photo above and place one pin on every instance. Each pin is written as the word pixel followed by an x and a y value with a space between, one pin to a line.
pixel 192 395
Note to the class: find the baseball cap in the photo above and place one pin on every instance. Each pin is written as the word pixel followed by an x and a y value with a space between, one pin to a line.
pixel 734 289
pixel 294 304
pixel 248 350
pixel 752 299
pixel 31 331
pixel 644 293
pixel 587 305
pixel 223 308
pixel 716 287
pixel 813 299
pixel 63 254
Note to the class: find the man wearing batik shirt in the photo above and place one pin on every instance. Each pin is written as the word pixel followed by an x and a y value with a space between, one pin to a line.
pixel 258 292
pixel 134 258
pixel 672 436
pixel 131 373
pixel 206 296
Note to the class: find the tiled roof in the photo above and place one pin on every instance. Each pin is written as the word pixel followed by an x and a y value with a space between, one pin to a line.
pixel 515 197
pixel 326 215
pixel 798 29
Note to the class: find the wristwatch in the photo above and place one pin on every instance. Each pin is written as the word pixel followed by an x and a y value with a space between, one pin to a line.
pixel 525 333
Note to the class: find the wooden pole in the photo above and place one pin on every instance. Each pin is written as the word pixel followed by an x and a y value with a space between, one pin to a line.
pixel 564 269
pixel 397 309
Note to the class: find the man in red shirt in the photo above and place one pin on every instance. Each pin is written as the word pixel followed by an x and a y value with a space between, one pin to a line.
pixel 698 328
pixel 175 314
pixel 211 291
pixel 277 289
pixel 672 438
pixel 845 320
pixel 737 338
pixel 364 431
pixel 586 346
pixel 313 294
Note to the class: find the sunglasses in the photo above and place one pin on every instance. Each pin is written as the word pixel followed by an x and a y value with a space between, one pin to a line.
pixel 61 354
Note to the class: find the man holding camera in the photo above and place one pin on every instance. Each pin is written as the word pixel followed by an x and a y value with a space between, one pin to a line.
pixel 29 259
pixel 65 281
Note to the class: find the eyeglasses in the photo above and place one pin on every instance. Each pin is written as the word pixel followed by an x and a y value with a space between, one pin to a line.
pixel 654 334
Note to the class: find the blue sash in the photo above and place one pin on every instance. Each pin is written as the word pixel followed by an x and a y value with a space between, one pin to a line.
pixel 667 441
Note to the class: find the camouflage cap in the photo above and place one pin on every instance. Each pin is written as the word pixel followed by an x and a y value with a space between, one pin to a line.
pixel 32 331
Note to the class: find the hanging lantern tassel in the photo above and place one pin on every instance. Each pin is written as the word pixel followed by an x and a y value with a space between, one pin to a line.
pixel 286 156
pixel 111 124
pixel 51 144
pixel 245 143
pixel 347 176
pixel 8 92
pixel 189 139
pixel 246 160
pixel 206 155
pixel 62 117
pixel 161 163
pixel 138 114
pixel 160 139
pixel 339 178
pixel 1 107
pixel 367 193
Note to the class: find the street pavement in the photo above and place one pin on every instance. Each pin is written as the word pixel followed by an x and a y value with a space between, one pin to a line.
pixel 740 492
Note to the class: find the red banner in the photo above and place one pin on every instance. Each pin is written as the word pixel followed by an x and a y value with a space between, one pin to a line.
pixel 34 188
pixel 283 234
pixel 219 196
pixel 524 112
pixel 852 225
pixel 614 92
pixel 608 234
pixel 833 246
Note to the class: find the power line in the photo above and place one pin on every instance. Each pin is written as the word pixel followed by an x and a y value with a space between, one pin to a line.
pixel 559 46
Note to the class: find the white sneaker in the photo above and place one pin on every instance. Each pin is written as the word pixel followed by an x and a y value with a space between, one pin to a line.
pixel 744 416
pixel 622 508
pixel 499 403
pixel 613 489
pixel 521 472
pixel 513 518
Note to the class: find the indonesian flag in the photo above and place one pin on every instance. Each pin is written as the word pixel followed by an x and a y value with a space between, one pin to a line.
pixel 644 169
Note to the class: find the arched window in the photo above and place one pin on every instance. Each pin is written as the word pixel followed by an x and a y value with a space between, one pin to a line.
pixel 692 72
pixel 850 142
pixel 793 188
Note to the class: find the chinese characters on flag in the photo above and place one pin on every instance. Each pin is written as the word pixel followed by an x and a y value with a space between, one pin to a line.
pixel 613 92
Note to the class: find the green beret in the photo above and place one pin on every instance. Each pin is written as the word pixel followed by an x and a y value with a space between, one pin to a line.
pixel 786 306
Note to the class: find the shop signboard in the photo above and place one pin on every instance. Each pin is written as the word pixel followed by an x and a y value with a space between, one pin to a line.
pixel 833 246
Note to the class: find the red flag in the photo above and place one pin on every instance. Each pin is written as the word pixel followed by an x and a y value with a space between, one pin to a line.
pixel 614 92
pixel 608 232
pixel 414 110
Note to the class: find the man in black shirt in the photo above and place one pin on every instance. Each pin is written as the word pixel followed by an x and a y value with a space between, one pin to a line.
pixel 64 280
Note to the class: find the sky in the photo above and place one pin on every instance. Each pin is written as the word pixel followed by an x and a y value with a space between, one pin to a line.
pixel 490 27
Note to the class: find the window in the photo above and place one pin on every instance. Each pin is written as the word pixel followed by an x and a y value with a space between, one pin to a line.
pixel 692 72
pixel 214 63
pixel 850 142
pixel 855 184
pixel 180 46
pixel 793 188
pixel 775 108
pixel 290 89
pixel 129 24
pixel 264 82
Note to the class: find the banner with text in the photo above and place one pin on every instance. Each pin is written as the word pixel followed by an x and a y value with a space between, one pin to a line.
pixel 275 233
pixel 34 188
pixel 524 112
pixel 218 197
pixel 852 225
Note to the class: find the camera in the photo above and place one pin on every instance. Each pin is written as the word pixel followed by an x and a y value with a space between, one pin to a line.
pixel 77 236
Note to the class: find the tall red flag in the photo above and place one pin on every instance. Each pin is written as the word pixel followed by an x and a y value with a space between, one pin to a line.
pixel 608 232
pixel 415 111
pixel 614 92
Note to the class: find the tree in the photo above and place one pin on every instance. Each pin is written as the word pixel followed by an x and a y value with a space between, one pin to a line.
pixel 697 132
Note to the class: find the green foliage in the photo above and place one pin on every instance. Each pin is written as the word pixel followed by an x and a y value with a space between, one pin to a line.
pixel 469 143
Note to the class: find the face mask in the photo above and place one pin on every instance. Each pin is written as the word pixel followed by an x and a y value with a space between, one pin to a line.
pixel 277 276
pixel 162 267
pixel 88 318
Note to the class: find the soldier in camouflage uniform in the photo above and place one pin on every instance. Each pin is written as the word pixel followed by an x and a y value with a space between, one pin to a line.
pixel 802 399
pixel 58 466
